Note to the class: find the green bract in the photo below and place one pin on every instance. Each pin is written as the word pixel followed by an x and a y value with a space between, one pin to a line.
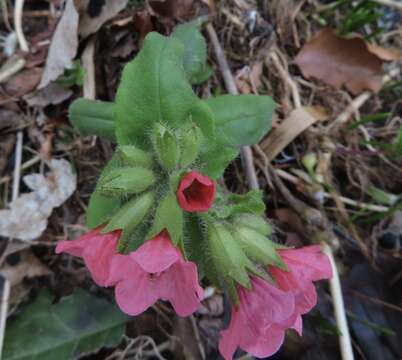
pixel 163 131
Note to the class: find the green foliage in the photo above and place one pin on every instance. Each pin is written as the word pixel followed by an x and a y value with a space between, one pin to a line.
pixel 79 323
pixel 127 180
pixel 73 76
pixel 164 130
pixel 168 216
pixel 241 120
pixel 153 88
pixel 101 208
pixel 93 118
pixel 195 52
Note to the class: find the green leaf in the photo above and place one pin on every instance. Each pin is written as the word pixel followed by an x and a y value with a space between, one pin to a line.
pixel 168 216
pixel 214 159
pixel 79 323
pixel 195 52
pixel 101 208
pixel 154 88
pixel 92 117
pixel 242 119
pixel 250 202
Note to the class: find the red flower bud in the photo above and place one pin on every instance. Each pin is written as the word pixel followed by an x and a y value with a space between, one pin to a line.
pixel 196 192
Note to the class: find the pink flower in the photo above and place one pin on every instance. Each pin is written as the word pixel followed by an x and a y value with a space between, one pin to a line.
pixel 258 324
pixel 305 265
pixel 96 249
pixel 156 270
pixel 196 192
pixel 266 311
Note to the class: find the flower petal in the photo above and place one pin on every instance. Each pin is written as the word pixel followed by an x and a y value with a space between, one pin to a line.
pixel 135 293
pixel 156 255
pixel 179 285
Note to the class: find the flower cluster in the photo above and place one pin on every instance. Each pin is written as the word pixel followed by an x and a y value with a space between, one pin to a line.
pixel 158 270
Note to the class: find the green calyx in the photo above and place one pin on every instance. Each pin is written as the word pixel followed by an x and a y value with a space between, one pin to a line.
pixel 166 147
pixel 191 138
pixel 127 180
pixel 134 156
pixel 258 247
pixel 131 213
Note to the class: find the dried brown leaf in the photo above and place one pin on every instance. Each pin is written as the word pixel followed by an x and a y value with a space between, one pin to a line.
pixel 172 8
pixel 341 62
pixel 63 46
pixel 297 121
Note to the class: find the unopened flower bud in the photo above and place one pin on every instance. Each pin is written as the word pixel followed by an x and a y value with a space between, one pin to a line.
pixel 254 222
pixel 191 140
pixel 258 247
pixel 166 147
pixel 227 254
pixel 127 180
pixel 135 157
pixel 131 213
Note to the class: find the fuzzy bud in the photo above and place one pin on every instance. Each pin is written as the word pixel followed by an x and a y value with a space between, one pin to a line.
pixel 166 147
pixel 191 140
pixel 135 157
pixel 127 180
pixel 131 213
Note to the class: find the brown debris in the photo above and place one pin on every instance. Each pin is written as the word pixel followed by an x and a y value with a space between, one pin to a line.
pixel 343 62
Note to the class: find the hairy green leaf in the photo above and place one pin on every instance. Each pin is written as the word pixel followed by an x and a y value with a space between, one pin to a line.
pixel 242 119
pixel 92 117
pixel 101 207
pixel 154 88
pixel 195 52
pixel 79 323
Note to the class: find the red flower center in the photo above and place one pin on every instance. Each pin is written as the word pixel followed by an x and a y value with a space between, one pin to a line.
pixel 196 192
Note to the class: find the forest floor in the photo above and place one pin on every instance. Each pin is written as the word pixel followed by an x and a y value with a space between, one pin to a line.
pixel 330 168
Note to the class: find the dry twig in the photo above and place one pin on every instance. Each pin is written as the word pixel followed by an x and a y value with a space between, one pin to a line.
pixel 245 151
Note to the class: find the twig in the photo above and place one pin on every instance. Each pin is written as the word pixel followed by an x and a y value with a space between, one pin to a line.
pixel 25 165
pixel 197 337
pixel 9 70
pixel 18 7
pixel 89 87
pixel 339 307
pixel 285 75
pixel 17 166
pixel 245 152
pixel 390 3
pixel 3 311
pixel 361 205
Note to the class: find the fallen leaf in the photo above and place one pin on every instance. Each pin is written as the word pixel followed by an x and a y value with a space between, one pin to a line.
pixel 172 9
pixel 297 121
pixel 52 94
pixel 96 13
pixel 23 83
pixel 63 47
pixel 27 217
pixel 341 62
pixel 21 265
pixel 143 23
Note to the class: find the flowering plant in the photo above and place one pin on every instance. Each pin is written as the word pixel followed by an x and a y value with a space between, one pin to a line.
pixel 157 216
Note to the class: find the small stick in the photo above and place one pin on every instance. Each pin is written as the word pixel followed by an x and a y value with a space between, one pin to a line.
pixel 18 7
pixel 245 151
pixel 17 167
pixel 25 165
pixel 10 70
pixel 339 307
